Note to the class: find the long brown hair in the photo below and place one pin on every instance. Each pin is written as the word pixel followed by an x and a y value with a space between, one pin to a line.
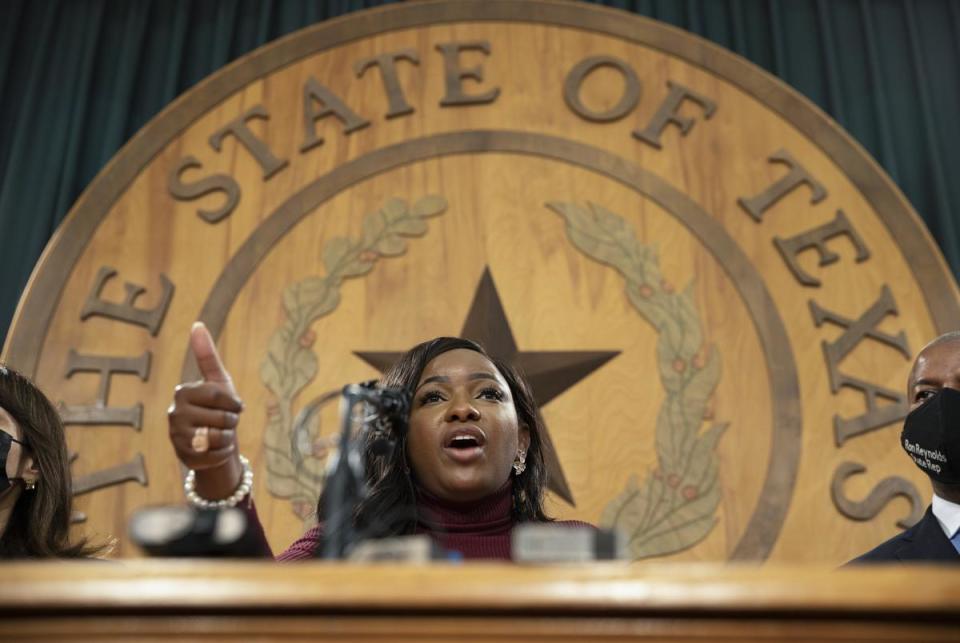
pixel 39 525
pixel 390 507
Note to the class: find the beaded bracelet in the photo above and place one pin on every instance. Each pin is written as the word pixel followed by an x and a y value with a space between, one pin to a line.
pixel 246 485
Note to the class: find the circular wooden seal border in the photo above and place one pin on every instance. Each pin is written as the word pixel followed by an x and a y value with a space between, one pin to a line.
pixel 43 293
pixel 46 284
pixel 786 417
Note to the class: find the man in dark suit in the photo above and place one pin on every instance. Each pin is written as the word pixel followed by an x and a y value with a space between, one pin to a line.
pixel 931 437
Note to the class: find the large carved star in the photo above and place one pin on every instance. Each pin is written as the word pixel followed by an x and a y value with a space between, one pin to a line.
pixel 549 373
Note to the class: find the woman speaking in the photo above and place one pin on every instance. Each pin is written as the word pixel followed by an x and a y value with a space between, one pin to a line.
pixel 468 469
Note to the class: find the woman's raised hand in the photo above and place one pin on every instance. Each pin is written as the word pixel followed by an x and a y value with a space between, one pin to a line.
pixel 203 421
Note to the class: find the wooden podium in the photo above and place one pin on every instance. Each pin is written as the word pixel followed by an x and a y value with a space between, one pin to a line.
pixel 150 600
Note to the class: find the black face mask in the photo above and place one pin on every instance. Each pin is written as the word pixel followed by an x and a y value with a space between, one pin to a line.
pixel 5 441
pixel 931 436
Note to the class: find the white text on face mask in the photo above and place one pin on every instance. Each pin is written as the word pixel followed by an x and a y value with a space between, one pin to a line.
pixel 917 450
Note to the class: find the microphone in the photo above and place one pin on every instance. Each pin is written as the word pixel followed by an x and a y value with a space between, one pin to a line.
pixel 551 543
pixel 185 532
pixel 391 407
pixel 390 401
pixel 372 417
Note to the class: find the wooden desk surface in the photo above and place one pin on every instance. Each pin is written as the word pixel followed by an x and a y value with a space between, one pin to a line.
pixel 211 601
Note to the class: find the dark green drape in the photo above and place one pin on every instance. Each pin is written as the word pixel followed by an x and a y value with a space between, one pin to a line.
pixel 79 77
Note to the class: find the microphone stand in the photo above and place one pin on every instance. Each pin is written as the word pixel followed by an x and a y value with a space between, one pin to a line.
pixel 345 484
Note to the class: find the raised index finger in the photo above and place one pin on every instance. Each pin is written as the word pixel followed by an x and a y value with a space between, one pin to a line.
pixel 208 359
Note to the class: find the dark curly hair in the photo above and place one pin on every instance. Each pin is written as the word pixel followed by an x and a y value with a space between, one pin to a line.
pixel 39 525
pixel 390 506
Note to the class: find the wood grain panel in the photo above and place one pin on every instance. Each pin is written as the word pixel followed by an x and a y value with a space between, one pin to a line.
pixel 239 601
pixel 501 167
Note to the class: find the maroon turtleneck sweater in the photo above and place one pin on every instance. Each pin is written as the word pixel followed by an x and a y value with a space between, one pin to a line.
pixel 478 530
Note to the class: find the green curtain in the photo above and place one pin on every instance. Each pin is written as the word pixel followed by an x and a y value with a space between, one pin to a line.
pixel 79 77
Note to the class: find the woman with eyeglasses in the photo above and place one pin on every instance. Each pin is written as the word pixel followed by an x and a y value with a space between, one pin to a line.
pixel 35 494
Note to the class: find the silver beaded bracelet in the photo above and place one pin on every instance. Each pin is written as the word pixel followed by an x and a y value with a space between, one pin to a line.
pixel 246 485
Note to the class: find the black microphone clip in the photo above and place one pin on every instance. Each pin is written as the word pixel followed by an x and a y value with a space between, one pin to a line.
pixel 390 402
